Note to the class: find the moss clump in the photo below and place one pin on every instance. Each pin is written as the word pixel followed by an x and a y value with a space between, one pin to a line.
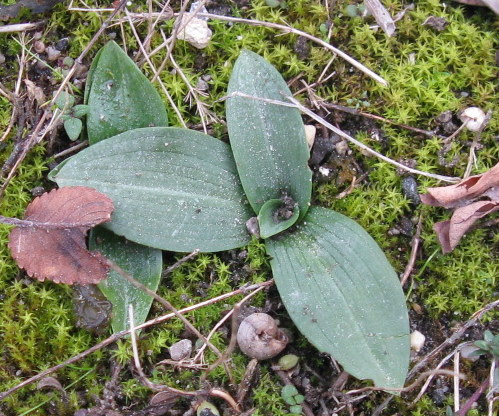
pixel 429 72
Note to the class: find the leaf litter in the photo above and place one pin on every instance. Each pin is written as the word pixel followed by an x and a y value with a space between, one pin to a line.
pixel 51 245
pixel 472 199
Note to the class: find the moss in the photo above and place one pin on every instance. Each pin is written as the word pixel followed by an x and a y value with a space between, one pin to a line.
pixel 428 73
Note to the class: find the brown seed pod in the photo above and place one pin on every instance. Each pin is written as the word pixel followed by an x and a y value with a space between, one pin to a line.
pixel 259 337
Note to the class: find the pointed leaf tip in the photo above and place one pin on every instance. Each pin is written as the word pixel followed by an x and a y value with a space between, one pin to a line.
pixel 119 96
pixel 344 296
pixel 268 140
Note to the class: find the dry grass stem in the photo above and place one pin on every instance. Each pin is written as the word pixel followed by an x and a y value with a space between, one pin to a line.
pixel 20 27
pixel 415 242
pixel 456 382
pixel 296 104
pixel 163 302
pixel 155 72
pixel 115 337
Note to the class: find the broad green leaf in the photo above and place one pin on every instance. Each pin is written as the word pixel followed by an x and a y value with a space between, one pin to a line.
pixel 275 217
pixel 173 189
pixel 343 295
pixel 120 97
pixel 73 127
pixel 268 140
pixel 143 263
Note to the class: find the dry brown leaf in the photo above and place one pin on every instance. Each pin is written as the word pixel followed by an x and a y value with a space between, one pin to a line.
pixel 53 246
pixel 472 198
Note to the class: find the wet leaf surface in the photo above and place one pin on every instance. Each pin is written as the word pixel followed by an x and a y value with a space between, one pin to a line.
pixel 54 246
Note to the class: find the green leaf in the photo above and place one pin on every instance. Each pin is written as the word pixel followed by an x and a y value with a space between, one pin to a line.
pixel 120 97
pixel 268 140
pixel 73 127
pixel 275 216
pixel 143 263
pixel 343 295
pixel 64 101
pixel 173 189
pixel 80 110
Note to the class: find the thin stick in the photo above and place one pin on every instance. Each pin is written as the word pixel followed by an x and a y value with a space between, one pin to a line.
pixel 155 72
pixel 233 338
pixel 20 27
pixel 474 397
pixel 289 29
pixel 39 132
pixel 115 337
pixel 71 149
pixel 416 240
pixel 356 112
pixel 411 386
pixel 367 148
pixel 163 302
pixel 138 366
pixel 456 382
pixel 178 263
pixel 296 104
pixel 458 334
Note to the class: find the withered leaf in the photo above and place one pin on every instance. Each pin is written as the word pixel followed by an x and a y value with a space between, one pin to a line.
pixel 472 198
pixel 52 245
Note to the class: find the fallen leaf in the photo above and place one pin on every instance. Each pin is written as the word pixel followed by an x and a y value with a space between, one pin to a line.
pixel 472 199
pixel 52 245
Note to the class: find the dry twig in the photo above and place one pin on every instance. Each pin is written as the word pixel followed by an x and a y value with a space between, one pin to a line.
pixel 115 337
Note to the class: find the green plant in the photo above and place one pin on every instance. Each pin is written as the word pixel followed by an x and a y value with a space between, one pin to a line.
pixel 71 114
pixel 488 346
pixel 293 398
pixel 179 190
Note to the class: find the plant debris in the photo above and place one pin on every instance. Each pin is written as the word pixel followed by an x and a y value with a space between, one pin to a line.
pixel 472 198
pixel 36 6
pixel 51 244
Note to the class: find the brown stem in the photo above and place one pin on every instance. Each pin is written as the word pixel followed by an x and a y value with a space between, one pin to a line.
pixel 163 301
pixel 474 397
pixel 115 337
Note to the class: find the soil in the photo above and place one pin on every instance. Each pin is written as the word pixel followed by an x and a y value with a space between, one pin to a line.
pixel 318 377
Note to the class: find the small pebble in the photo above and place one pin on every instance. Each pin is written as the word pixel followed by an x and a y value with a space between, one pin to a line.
pixel 202 85
pixel 410 189
pixel 2 58
pixel 196 31
pixel 181 350
pixel 62 45
pixel 39 46
pixel 342 148
pixel 417 341
pixel 52 54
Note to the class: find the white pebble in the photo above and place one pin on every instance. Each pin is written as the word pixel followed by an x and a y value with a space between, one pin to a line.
pixel 417 341
pixel 196 32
